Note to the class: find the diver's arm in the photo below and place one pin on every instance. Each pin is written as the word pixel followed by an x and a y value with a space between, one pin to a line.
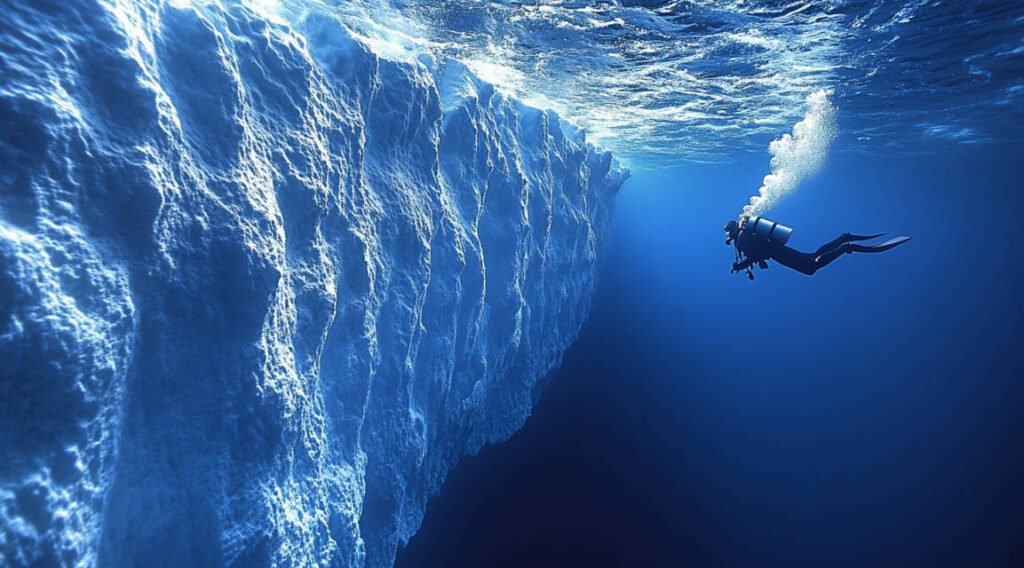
pixel 740 266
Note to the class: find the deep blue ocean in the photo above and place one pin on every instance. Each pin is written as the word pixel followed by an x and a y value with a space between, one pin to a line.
pixel 439 284
pixel 868 416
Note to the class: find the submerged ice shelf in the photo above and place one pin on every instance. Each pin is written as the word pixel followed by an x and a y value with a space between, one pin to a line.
pixel 260 287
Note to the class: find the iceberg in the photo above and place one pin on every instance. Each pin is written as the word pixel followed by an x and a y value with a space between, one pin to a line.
pixel 262 285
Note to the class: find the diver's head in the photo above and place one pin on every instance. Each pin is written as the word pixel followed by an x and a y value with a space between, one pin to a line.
pixel 732 228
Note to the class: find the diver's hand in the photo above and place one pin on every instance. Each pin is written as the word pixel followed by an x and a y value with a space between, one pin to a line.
pixel 735 268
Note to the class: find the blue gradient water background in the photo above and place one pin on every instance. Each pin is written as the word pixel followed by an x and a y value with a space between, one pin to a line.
pixel 869 415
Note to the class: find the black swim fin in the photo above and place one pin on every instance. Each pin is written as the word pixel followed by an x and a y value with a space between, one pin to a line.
pixel 889 244
pixel 852 237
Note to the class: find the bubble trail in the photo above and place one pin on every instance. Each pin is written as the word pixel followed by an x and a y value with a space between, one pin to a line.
pixel 798 155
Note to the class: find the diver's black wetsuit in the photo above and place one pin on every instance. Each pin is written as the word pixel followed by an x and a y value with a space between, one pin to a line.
pixel 757 250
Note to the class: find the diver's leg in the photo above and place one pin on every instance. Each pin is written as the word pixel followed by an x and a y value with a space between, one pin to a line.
pixel 843 239
pixel 809 263
pixel 792 258
pixel 834 243
pixel 823 260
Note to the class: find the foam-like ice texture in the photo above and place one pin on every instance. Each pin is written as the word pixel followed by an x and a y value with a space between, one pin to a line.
pixel 260 287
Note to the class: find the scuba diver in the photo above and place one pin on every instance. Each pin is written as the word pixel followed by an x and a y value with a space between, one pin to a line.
pixel 758 240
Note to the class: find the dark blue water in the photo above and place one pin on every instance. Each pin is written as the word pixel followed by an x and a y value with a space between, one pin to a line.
pixel 869 415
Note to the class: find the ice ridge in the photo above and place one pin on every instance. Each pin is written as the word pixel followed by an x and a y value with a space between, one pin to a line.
pixel 262 287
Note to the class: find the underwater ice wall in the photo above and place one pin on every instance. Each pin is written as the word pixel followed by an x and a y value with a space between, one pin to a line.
pixel 260 288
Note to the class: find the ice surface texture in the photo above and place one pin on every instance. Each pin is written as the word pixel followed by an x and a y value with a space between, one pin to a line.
pixel 261 288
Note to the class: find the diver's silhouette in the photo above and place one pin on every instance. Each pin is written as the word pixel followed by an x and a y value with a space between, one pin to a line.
pixel 758 240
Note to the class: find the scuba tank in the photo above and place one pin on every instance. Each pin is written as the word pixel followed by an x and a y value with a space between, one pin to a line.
pixel 768 231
